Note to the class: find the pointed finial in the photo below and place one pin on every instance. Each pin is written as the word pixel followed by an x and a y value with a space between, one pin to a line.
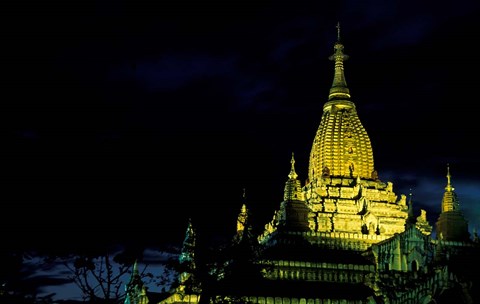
pixel 338 31
pixel 292 174
pixel 339 89
pixel 244 193
pixel 448 173
pixel 449 181
pixel 190 232
pixel 410 195
pixel 410 204
pixel 135 267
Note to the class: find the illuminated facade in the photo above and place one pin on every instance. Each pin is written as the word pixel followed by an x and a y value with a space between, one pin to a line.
pixel 343 237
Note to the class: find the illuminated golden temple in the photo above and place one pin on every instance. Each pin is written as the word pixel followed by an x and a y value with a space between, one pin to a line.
pixel 343 237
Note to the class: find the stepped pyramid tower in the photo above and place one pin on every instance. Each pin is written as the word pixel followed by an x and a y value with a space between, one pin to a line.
pixel 451 224
pixel 343 237
pixel 345 198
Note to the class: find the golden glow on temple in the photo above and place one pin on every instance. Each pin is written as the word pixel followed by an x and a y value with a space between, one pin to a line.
pixel 343 237
pixel 341 147
pixel 344 193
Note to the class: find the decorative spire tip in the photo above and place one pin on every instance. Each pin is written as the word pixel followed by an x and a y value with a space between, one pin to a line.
pixel 293 174
pixel 449 179
pixel 135 267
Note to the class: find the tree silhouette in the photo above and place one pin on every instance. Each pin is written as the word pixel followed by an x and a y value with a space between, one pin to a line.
pixel 101 275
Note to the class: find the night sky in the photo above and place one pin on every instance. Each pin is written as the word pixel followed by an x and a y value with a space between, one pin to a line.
pixel 121 119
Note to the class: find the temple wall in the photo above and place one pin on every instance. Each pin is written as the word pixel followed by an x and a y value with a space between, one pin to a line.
pixel 335 240
pixel 284 300
pixel 323 272
pixel 177 298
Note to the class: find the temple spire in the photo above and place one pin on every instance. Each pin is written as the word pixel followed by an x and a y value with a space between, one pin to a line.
pixel 410 218
pixel 135 289
pixel 135 268
pixel 410 204
pixel 187 254
pixel 339 89
pixel 450 200
pixel 293 174
pixel 242 222
pixel 449 180
pixel 451 223
pixel 243 225
pixel 293 188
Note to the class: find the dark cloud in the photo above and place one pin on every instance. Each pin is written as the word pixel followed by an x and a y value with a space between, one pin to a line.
pixel 173 71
